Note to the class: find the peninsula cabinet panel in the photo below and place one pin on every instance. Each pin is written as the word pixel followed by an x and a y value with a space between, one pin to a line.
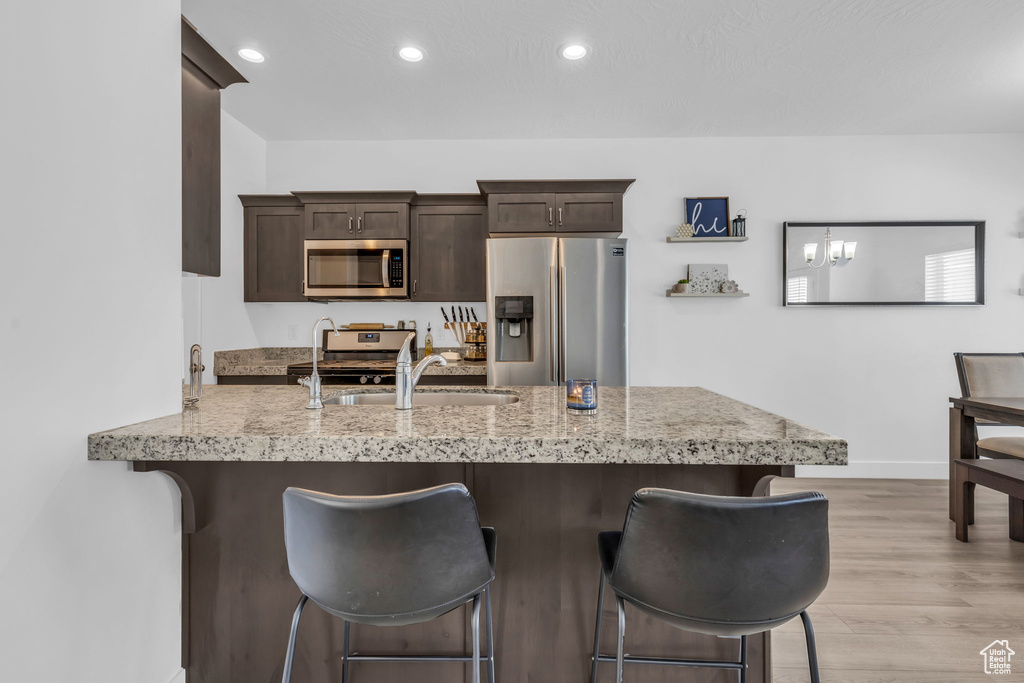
pixel 449 250
pixel 330 221
pixel 273 254
pixel 588 212
pixel 521 212
pixel 239 597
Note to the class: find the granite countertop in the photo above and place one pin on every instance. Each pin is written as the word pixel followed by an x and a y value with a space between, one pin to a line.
pixel 275 361
pixel 669 425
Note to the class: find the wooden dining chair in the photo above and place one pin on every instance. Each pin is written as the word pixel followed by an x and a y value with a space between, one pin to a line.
pixel 993 375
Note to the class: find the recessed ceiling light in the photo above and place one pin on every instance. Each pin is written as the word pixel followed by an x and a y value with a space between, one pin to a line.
pixel 411 54
pixel 574 51
pixel 251 55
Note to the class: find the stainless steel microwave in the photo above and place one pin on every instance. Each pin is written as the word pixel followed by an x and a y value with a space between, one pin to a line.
pixel 356 269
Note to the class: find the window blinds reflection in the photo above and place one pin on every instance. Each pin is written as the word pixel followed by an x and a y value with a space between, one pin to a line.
pixel 949 276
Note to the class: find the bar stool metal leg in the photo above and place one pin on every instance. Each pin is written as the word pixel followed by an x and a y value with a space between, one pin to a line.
pixel 476 639
pixel 289 656
pixel 597 627
pixel 490 639
pixel 344 654
pixel 743 659
pixel 619 652
pixel 812 651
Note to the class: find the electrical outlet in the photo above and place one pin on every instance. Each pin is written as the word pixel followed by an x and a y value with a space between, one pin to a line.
pixel 293 332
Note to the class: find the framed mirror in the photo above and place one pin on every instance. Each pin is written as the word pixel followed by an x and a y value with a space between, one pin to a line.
pixel 897 263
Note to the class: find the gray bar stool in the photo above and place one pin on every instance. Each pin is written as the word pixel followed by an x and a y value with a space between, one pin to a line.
pixel 719 565
pixel 390 560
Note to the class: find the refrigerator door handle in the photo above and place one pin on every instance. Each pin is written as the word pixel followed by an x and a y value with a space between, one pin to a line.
pixel 553 297
pixel 562 332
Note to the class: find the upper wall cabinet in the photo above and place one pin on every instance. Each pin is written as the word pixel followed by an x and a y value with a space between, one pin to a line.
pixel 204 73
pixel 449 248
pixel 356 215
pixel 554 206
pixel 273 248
pixel 525 212
pixel 447 233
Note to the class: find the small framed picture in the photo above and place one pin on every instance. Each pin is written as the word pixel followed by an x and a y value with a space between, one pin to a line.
pixel 709 216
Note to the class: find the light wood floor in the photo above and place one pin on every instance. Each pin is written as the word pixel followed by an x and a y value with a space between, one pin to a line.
pixel 906 601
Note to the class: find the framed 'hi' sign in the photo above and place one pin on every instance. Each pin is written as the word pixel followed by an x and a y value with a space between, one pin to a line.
pixel 709 216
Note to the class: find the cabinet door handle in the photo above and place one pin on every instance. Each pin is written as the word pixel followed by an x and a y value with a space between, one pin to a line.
pixel 551 219
pixel 350 225
pixel 559 215
pixel 360 228
pixel 414 283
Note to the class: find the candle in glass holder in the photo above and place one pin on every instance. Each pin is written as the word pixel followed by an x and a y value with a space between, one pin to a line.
pixel 581 394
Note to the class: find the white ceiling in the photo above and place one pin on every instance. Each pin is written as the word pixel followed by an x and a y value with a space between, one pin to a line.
pixel 659 68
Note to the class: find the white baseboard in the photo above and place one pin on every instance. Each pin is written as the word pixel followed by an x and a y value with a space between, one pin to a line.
pixel 878 470
pixel 178 677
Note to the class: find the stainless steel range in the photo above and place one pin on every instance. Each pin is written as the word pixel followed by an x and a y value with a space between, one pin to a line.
pixel 356 357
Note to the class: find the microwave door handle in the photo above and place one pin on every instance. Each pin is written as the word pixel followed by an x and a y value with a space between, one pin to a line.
pixel 385 258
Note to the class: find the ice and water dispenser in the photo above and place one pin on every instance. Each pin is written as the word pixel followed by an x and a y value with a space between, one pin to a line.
pixel 514 318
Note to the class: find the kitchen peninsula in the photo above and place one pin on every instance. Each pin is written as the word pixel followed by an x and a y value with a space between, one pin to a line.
pixel 547 480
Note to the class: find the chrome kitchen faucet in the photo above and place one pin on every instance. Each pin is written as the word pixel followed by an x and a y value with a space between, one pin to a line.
pixel 313 381
pixel 407 377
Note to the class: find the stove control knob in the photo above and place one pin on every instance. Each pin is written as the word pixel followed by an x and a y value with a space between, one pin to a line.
pixel 362 380
pixel 376 380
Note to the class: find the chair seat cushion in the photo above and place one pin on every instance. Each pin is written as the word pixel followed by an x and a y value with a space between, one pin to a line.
pixel 1010 445
pixel 711 628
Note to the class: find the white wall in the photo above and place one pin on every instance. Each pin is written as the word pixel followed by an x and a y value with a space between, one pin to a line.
pixel 878 376
pixel 90 180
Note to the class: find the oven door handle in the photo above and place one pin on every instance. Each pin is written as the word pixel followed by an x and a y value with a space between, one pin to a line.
pixel 385 257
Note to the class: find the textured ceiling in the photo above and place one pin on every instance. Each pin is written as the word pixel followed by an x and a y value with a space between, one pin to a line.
pixel 659 68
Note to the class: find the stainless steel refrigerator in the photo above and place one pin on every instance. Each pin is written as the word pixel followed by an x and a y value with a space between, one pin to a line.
pixel 556 309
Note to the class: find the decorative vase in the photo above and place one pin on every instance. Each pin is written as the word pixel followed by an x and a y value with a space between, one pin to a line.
pixel 681 288
pixel 685 231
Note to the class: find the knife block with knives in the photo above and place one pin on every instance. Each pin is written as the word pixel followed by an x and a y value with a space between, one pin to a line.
pixel 469 332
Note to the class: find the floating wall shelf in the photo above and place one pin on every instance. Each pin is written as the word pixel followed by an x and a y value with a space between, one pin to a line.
pixel 706 239
pixel 671 294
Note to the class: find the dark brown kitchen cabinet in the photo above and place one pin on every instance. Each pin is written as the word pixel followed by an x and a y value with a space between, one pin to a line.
pixel 382 221
pixel 527 212
pixel 273 248
pixel 356 215
pixel 554 206
pixel 204 73
pixel 449 245
pixel 330 221
pixel 588 212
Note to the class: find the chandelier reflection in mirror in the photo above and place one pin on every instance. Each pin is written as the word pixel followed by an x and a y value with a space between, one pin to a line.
pixel 837 252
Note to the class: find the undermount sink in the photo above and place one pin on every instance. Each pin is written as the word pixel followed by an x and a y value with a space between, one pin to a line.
pixel 425 398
